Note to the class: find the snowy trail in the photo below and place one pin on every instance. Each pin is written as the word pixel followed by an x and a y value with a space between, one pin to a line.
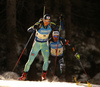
pixel 14 83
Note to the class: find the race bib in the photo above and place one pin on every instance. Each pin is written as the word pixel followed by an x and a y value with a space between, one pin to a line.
pixel 59 51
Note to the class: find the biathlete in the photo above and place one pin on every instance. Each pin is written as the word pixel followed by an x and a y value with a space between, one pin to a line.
pixel 56 59
pixel 42 31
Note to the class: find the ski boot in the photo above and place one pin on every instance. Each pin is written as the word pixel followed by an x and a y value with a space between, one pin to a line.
pixel 43 76
pixel 55 78
pixel 23 77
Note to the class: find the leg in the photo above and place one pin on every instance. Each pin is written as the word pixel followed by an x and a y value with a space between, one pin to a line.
pixel 35 49
pixel 61 63
pixel 45 53
pixel 51 66
pixel 33 53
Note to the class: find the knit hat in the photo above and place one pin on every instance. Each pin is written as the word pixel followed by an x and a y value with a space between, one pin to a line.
pixel 46 16
pixel 55 33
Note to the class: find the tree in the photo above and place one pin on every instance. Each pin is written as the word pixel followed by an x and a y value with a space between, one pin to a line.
pixel 11 35
pixel 67 21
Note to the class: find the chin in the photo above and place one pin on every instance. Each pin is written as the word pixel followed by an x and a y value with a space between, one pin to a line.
pixel 55 40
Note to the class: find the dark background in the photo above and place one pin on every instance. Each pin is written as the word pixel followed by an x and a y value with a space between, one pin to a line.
pixel 81 27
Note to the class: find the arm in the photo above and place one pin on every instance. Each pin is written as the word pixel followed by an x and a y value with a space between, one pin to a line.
pixel 50 39
pixel 34 27
pixel 61 25
pixel 66 42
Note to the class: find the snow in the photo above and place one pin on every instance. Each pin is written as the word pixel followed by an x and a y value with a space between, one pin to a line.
pixel 15 83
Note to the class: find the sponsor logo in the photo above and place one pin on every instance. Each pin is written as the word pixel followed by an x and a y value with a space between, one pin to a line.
pixel 55 45
pixel 46 51
pixel 47 17
pixel 43 40
pixel 45 31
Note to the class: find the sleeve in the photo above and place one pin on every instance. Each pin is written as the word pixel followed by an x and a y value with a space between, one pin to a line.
pixel 64 41
pixel 50 39
pixel 67 43
pixel 61 26
pixel 72 48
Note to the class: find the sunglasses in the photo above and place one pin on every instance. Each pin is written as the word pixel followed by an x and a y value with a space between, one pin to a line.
pixel 56 36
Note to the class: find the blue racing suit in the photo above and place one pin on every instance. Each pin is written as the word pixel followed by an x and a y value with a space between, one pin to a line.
pixel 40 43
pixel 56 59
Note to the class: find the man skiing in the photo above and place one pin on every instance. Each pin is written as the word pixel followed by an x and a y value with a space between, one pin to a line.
pixel 42 30
pixel 56 59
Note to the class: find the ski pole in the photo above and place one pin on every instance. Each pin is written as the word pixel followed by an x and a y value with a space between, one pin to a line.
pixel 51 71
pixel 23 51
pixel 83 68
pixel 57 48
pixel 89 85
pixel 56 57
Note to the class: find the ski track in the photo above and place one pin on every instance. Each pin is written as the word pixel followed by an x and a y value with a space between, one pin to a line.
pixel 15 83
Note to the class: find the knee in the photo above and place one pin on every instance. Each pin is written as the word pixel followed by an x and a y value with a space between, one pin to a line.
pixel 46 60
pixel 32 54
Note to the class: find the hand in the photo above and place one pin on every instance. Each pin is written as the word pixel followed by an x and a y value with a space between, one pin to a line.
pixel 40 20
pixel 61 17
pixel 35 26
pixel 30 29
pixel 77 56
pixel 49 61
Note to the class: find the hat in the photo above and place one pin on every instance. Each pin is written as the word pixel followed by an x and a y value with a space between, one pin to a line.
pixel 55 33
pixel 46 16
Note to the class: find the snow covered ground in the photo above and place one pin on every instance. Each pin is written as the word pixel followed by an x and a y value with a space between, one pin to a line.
pixel 8 79
pixel 15 83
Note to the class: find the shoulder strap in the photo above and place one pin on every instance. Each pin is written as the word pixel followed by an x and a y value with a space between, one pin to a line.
pixel 50 24
pixel 40 25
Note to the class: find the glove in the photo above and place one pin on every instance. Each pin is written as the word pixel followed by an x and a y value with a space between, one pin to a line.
pixel 31 29
pixel 61 17
pixel 35 26
pixel 77 56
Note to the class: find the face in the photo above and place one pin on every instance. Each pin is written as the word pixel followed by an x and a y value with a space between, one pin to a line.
pixel 55 38
pixel 46 22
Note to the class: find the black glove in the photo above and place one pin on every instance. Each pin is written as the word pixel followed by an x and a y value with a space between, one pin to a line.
pixel 35 26
pixel 61 17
